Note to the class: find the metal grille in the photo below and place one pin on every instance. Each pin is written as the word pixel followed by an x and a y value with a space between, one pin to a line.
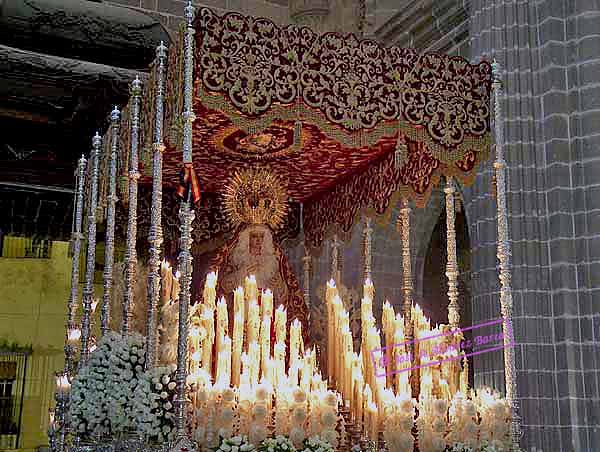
pixel 13 366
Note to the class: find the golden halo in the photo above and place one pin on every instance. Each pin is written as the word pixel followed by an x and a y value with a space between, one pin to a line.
pixel 256 196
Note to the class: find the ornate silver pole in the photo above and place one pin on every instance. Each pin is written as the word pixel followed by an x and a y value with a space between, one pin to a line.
pixel 186 217
pixel 156 235
pixel 504 252
pixel 109 250
pixel 368 232
pixel 70 342
pixel 335 259
pixel 451 265
pixel 134 175
pixel 407 285
pixel 88 290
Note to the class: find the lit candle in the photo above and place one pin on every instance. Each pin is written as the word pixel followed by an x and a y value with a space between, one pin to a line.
pixel 253 322
pixel 266 304
pixel 222 323
pixel 250 289
pixel 295 334
pixel 369 289
pixel 166 282
pixel 388 321
pixel 265 344
pixel 279 354
pixel 254 360
pixel 176 286
pixel 280 324
pixel 238 341
pixel 209 295
pixel 224 365
pixel 208 323
pixel 330 293
pixel 63 385
pixel 73 336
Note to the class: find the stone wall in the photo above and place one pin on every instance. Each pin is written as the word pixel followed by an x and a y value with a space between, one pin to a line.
pixel 549 50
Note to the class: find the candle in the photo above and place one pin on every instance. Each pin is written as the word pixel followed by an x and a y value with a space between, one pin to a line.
pixel 222 323
pixel 63 385
pixel 266 304
pixel 73 336
pixel 389 326
pixel 250 289
pixel 224 364
pixel 209 295
pixel 265 344
pixel 238 302
pixel 295 334
pixel 280 324
pixel 330 293
pixel 238 341
pixel 176 286
pixel 208 323
pixel 369 289
pixel 279 354
pixel 254 360
pixel 166 282
pixel 253 322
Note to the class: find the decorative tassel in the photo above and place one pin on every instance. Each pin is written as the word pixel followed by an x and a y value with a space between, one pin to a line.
pixel 297 134
pixel 401 151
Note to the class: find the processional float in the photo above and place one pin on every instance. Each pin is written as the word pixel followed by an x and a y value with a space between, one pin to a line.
pixel 345 128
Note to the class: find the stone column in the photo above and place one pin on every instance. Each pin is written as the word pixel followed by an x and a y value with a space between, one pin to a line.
pixel 552 134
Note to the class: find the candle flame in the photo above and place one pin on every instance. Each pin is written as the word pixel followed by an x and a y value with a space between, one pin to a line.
pixel 211 279
pixel 331 283
pixel 368 282
pixel 74 334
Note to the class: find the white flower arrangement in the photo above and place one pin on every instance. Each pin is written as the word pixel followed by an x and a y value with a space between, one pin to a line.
pixel 102 391
pixel 235 444
pixel 154 404
pixel 277 444
pixel 460 447
pixel 316 444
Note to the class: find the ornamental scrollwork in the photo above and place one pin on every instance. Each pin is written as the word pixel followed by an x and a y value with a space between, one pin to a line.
pixel 355 84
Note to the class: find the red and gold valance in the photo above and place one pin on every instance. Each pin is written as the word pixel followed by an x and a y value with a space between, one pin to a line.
pixel 325 112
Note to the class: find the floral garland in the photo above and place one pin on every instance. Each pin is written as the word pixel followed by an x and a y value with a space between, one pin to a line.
pixel 235 444
pixel 278 444
pixel 316 444
pixel 153 404
pixel 102 392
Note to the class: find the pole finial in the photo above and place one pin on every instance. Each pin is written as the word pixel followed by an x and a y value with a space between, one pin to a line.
pixel 189 13
pixel 136 86
pixel 115 114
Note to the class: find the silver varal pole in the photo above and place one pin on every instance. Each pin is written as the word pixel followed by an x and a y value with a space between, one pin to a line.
pixel 367 233
pixel 134 175
pixel 90 267
pixel 109 250
pixel 451 264
pixel 186 217
pixel 77 237
pixel 504 253
pixel 156 235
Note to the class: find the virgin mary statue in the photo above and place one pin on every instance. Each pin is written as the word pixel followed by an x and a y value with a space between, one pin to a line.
pixel 256 202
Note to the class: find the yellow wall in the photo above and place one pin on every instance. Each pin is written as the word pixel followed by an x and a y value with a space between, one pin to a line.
pixel 33 297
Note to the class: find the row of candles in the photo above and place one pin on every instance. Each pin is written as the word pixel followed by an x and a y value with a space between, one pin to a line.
pixel 367 381
pixel 256 381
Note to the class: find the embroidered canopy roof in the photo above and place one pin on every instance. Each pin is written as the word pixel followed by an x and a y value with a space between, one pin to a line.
pixel 328 113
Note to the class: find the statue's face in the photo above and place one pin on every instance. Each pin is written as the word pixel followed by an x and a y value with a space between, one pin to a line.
pixel 255 243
